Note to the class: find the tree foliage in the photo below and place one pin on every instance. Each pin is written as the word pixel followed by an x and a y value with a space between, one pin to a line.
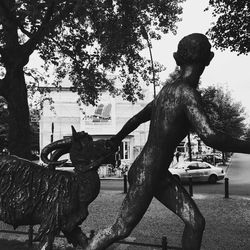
pixel 225 114
pixel 173 76
pixel 247 133
pixel 84 40
pixel 232 28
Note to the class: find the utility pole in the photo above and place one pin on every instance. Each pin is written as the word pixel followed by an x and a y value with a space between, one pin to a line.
pixel 189 147
pixel 52 132
pixel 145 36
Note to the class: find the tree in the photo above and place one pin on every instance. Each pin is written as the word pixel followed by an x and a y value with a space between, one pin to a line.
pixel 4 118
pixel 231 30
pixel 247 133
pixel 227 116
pixel 83 40
pixel 173 76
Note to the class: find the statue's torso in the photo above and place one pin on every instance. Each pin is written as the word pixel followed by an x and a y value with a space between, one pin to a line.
pixel 168 127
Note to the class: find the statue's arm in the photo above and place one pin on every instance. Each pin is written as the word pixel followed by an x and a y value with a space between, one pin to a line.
pixel 215 139
pixel 143 116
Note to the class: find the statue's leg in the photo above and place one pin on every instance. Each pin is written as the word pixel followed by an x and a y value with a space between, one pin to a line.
pixel 133 208
pixel 76 237
pixel 170 192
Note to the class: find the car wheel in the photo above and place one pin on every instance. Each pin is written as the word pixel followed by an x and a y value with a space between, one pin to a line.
pixel 212 179
pixel 177 177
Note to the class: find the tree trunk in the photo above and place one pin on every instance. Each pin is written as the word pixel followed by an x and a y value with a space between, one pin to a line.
pixel 13 87
pixel 19 128
pixel 224 157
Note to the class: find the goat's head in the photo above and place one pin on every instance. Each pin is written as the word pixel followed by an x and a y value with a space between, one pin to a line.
pixel 85 151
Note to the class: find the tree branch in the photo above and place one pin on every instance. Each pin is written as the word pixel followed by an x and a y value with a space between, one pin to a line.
pixel 9 15
pixel 47 25
pixel 5 11
pixel 25 32
pixel 1 84
pixel 64 50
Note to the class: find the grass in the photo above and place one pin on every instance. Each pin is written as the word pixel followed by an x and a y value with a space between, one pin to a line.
pixel 13 245
pixel 227 224
pixel 20 245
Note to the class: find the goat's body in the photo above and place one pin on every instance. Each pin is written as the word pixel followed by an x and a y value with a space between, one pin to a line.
pixel 31 194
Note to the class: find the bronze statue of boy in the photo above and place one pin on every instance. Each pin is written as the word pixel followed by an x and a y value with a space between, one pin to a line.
pixel 173 113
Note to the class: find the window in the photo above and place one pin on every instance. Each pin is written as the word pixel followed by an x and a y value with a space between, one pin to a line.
pixel 125 150
pixel 193 166
pixel 203 165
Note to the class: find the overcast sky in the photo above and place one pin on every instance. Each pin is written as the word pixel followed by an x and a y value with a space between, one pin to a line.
pixel 226 69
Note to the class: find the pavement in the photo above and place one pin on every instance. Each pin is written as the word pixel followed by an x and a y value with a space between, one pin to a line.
pixel 227 222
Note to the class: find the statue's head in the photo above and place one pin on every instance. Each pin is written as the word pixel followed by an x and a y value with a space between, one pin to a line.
pixel 193 49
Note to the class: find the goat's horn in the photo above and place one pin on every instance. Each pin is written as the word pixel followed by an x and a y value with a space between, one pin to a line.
pixel 56 154
pixel 63 144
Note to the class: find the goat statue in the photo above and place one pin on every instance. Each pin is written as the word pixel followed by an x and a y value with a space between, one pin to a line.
pixel 58 200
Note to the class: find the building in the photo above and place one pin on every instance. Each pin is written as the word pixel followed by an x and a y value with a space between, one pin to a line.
pixel 101 121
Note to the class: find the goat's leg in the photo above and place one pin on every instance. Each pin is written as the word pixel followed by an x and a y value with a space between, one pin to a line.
pixel 76 237
pixel 170 193
pixel 76 219
pixel 72 231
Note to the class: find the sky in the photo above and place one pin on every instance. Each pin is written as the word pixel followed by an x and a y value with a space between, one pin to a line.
pixel 227 69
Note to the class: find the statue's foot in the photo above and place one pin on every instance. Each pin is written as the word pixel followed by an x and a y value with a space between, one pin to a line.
pixel 44 246
pixel 91 234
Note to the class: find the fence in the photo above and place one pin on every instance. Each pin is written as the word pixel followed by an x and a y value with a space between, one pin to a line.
pixel 226 187
pixel 190 186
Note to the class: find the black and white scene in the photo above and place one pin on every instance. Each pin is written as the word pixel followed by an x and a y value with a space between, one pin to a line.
pixel 124 125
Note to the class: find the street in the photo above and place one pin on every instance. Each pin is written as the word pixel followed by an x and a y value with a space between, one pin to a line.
pixel 238 174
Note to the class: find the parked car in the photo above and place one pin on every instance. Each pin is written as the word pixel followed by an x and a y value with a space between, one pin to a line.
pixel 199 171
pixel 224 165
pixel 212 158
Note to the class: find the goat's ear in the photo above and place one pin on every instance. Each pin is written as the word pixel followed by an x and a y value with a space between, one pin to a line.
pixel 74 133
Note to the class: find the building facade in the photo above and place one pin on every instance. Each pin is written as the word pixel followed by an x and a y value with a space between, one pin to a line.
pixel 101 121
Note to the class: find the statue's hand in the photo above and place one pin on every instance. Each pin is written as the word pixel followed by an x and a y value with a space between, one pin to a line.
pixel 113 144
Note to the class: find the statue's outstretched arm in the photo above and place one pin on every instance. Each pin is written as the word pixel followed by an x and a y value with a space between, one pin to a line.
pixel 143 116
pixel 200 123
